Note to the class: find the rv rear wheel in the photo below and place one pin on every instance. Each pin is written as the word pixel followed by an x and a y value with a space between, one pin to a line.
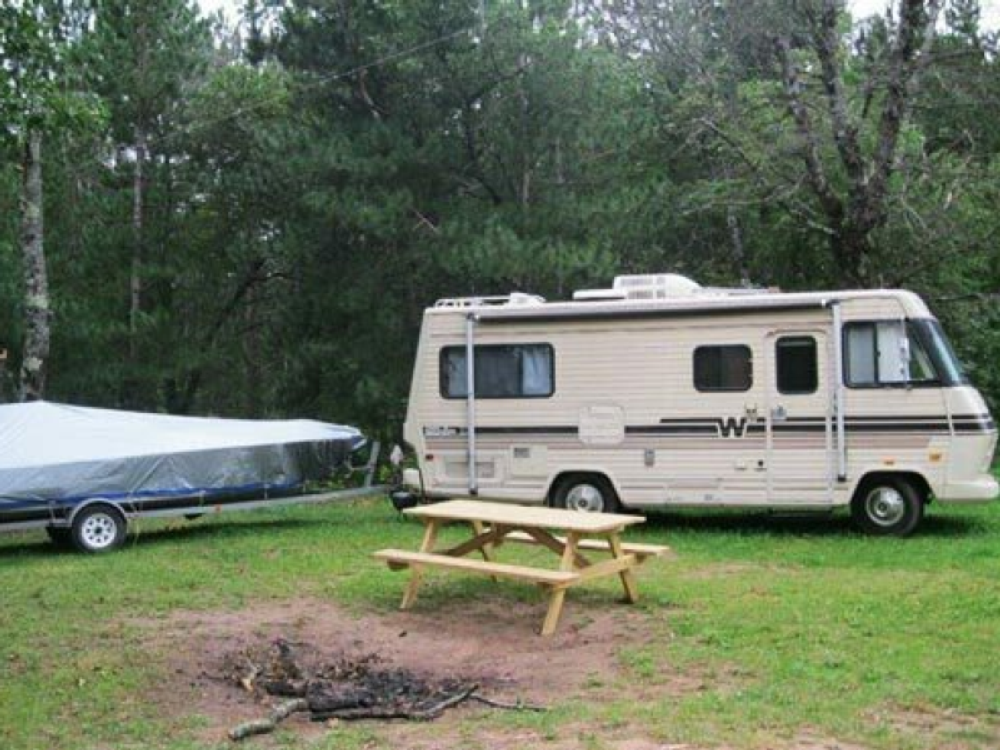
pixel 98 528
pixel 887 506
pixel 586 493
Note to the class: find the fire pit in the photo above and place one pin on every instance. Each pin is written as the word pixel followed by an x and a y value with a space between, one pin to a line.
pixel 347 689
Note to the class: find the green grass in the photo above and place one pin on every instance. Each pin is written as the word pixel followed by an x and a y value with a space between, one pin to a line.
pixel 793 627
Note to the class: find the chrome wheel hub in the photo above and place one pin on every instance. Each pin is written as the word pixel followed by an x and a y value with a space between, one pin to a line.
pixel 98 531
pixel 885 506
pixel 586 498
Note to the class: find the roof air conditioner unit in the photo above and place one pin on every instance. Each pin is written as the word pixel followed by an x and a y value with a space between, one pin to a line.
pixel 657 286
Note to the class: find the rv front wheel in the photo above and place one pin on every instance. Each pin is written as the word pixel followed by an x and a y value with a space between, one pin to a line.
pixel 587 494
pixel 888 506
pixel 98 528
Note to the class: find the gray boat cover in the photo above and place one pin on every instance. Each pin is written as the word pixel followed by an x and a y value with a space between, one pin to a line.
pixel 69 453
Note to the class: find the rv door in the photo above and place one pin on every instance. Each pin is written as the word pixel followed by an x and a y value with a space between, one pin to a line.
pixel 800 431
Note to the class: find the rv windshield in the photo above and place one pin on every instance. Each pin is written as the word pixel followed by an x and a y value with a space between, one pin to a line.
pixel 935 342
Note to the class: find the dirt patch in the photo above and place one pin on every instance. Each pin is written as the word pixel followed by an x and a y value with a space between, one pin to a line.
pixel 809 741
pixel 954 728
pixel 726 569
pixel 496 645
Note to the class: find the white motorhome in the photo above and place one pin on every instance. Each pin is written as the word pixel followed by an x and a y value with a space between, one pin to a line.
pixel 659 392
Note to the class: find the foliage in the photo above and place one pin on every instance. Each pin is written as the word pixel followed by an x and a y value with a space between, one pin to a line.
pixel 311 186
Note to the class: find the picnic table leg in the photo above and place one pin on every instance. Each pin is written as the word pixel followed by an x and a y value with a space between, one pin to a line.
pixel 417 572
pixel 627 575
pixel 558 595
pixel 487 549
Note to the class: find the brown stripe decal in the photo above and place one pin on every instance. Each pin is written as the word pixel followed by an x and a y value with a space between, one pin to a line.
pixel 742 427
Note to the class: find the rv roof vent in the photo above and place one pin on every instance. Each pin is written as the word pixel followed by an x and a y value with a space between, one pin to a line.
pixel 656 286
pixel 599 295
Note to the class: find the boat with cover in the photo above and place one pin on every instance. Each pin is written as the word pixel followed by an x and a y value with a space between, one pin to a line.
pixel 55 458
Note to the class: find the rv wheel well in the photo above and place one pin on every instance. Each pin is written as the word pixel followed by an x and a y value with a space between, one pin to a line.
pixel 568 476
pixel 918 481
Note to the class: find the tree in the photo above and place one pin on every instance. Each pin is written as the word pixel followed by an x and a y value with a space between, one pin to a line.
pixel 38 40
pixel 150 53
pixel 854 211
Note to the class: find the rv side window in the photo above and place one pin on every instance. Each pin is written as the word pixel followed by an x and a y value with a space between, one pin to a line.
pixel 797 370
pixel 887 353
pixel 502 371
pixel 723 368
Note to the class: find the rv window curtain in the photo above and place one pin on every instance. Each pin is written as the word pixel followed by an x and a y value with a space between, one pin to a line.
pixel 893 365
pixel 536 371
pixel 502 371
pixel 453 373
pixel 861 353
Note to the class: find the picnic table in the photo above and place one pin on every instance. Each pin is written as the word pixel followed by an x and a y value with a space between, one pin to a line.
pixel 493 524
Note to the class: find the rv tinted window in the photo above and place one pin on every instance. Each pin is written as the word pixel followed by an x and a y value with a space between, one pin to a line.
pixel 723 368
pixel 502 371
pixel 796 358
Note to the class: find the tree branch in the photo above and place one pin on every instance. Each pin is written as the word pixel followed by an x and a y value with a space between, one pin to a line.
pixel 913 36
pixel 845 134
pixel 832 205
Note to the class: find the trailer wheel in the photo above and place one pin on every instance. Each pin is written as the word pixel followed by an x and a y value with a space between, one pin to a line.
pixel 98 528
pixel 587 493
pixel 60 536
pixel 887 506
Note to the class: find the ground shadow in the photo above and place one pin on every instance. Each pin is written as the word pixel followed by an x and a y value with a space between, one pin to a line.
pixel 777 524
pixel 37 544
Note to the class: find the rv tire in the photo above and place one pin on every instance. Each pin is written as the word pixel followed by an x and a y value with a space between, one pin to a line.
pixel 98 528
pixel 887 506
pixel 587 493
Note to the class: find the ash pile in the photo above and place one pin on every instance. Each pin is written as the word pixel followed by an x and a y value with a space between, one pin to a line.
pixel 344 689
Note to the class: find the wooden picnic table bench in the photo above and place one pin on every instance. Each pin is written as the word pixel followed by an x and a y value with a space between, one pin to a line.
pixel 495 523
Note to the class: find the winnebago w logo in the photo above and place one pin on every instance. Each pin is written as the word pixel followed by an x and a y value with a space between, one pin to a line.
pixel 732 426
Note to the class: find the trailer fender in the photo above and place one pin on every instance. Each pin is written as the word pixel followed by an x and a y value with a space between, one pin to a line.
pixel 91 501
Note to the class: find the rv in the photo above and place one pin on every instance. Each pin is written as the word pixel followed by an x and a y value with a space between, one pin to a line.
pixel 661 393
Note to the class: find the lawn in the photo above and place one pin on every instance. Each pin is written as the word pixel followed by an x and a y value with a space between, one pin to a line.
pixel 798 632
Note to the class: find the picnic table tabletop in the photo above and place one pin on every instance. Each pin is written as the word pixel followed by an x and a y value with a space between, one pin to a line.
pixel 510 514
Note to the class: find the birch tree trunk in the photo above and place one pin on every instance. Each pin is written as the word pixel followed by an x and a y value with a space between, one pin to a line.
pixel 135 279
pixel 131 382
pixel 37 310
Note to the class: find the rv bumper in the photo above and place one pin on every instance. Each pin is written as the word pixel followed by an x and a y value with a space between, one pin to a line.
pixel 411 478
pixel 975 491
